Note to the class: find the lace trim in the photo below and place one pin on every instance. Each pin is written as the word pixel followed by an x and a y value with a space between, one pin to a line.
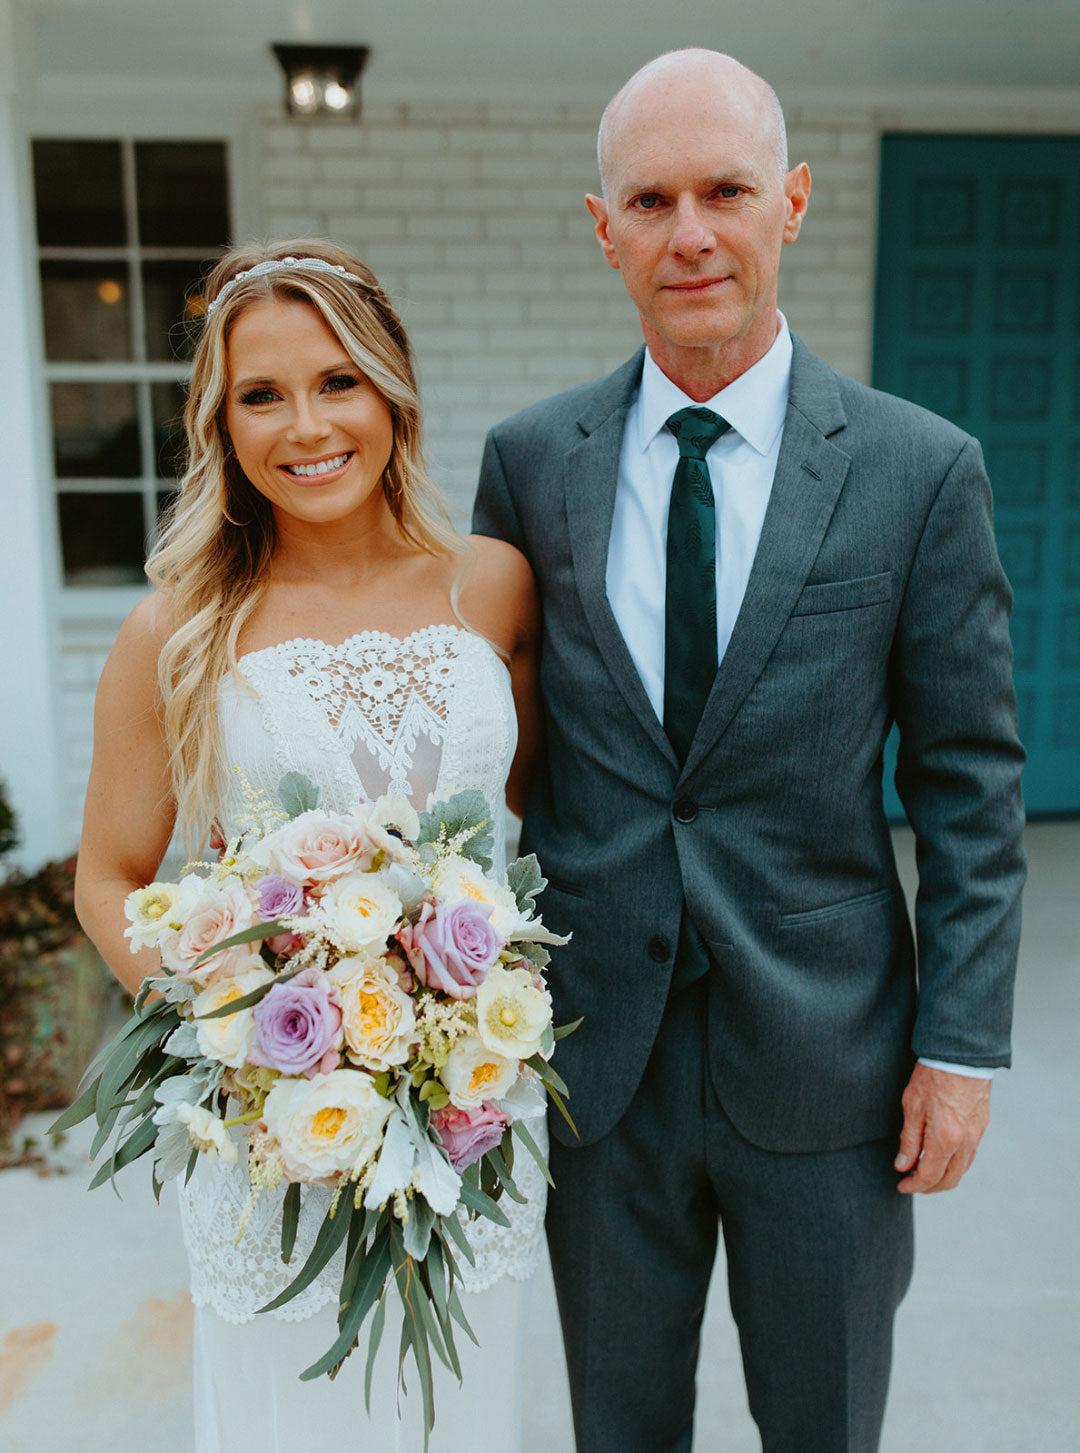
pixel 236 1274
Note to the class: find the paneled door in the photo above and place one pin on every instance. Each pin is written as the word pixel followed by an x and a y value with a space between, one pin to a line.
pixel 978 318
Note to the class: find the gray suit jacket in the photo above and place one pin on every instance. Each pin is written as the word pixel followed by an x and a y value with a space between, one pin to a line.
pixel 876 595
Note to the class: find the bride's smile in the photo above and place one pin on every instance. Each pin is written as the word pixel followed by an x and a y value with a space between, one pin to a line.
pixel 310 432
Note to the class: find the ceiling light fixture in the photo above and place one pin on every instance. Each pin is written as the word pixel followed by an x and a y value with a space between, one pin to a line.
pixel 322 80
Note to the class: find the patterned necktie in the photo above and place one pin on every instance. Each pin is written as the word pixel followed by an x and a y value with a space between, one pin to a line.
pixel 690 620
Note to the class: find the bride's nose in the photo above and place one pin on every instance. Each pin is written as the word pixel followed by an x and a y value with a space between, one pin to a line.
pixel 308 422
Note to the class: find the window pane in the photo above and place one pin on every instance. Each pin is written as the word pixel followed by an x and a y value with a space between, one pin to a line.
pixel 170 445
pixel 87 311
pixel 103 538
pixel 78 186
pixel 174 306
pixel 183 193
pixel 95 431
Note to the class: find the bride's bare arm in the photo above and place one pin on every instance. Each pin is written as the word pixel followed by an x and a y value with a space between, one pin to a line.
pixel 129 813
pixel 499 597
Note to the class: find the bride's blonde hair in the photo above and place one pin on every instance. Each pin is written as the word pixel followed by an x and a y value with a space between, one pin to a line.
pixel 212 559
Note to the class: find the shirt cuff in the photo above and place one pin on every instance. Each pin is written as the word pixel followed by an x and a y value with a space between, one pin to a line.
pixel 970 1072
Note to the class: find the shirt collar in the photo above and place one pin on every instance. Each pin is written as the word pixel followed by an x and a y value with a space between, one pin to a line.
pixel 754 404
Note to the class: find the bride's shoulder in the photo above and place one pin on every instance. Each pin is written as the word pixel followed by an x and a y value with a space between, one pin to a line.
pixel 142 636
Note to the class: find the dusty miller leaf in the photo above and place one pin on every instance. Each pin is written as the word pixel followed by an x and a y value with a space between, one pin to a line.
pixel 525 881
pixel 297 793
pixel 464 819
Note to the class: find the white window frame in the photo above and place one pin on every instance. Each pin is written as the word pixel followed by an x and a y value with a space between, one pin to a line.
pixel 94 118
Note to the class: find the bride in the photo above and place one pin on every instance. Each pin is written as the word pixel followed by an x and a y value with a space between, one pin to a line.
pixel 315 612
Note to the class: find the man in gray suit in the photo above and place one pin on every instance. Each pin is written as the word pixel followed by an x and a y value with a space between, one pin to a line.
pixel 750 568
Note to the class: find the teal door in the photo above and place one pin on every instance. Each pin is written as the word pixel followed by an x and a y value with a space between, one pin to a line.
pixel 978 318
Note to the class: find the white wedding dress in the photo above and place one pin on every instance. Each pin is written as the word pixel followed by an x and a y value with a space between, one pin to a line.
pixel 427 715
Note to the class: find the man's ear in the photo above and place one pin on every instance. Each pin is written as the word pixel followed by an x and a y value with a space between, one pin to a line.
pixel 797 192
pixel 599 209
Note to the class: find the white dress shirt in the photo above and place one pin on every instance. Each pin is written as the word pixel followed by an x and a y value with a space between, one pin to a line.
pixel 741 464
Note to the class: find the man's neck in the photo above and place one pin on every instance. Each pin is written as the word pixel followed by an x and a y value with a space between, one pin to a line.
pixel 701 372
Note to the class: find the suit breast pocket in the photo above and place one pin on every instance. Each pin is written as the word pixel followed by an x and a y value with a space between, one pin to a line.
pixel 829 596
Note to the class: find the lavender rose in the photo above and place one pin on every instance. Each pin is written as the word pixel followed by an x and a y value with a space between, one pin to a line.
pixel 453 948
pixel 466 1135
pixel 297 1027
pixel 278 898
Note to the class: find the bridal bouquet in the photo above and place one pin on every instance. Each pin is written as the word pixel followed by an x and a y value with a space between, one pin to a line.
pixel 361 996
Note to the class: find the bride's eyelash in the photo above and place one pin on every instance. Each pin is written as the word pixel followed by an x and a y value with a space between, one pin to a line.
pixel 257 396
pixel 338 382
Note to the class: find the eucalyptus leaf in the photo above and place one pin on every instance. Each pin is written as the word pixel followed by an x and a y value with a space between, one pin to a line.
pixel 524 1134
pixel 255 934
pixel 247 1000
pixel 330 1236
pixel 378 1323
pixel 476 1200
pixel 565 1029
pixel 372 1279
pixel 290 1216
pixel 297 793
pixel 454 1229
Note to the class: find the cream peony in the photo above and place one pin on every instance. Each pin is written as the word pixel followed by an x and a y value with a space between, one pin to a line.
pixel 229 1038
pixel 512 1013
pixel 360 911
pixel 207 1133
pixel 456 878
pixel 377 1016
pixel 209 913
pixel 152 914
pixel 326 1125
pixel 473 1073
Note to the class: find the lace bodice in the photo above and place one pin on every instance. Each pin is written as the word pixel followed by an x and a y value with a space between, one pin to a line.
pixel 426 715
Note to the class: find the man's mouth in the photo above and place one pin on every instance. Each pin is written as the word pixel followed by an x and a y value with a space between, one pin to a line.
pixel 696 285
pixel 318 467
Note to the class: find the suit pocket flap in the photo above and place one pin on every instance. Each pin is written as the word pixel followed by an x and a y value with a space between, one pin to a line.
pixel 832 595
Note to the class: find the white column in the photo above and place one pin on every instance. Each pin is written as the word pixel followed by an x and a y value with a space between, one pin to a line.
pixel 29 583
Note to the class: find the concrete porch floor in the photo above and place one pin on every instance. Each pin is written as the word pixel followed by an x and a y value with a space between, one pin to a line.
pixel 95 1323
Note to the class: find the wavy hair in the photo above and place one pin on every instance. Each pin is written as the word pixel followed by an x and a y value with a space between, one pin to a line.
pixel 212 559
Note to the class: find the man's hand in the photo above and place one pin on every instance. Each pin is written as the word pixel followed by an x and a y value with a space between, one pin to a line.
pixel 944 1119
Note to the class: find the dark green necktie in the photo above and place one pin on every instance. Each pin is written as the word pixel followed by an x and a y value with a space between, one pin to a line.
pixel 690 619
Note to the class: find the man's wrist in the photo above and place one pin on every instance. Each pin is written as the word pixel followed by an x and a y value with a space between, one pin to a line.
pixel 971 1072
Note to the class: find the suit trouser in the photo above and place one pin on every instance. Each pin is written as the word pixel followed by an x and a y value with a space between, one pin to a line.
pixel 819 1250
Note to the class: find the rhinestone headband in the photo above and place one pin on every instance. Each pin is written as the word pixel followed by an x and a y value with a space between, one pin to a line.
pixel 280 264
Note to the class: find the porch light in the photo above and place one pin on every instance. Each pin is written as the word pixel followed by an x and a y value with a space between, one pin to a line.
pixel 322 80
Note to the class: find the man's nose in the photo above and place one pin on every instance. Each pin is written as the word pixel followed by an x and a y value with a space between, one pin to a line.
pixel 690 234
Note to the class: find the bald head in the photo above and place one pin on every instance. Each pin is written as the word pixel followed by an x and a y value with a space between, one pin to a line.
pixel 744 92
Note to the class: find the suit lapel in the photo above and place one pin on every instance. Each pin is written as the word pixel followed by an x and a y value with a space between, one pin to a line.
pixel 591 475
pixel 810 473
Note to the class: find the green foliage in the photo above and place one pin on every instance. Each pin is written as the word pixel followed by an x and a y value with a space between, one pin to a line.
pixel 525 881
pixel 9 832
pixel 297 793
pixel 463 822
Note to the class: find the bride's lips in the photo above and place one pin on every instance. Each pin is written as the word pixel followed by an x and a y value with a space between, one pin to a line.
pixel 312 474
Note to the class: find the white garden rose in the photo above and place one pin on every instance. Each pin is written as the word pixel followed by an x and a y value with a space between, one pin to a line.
pixel 229 1038
pixel 326 1125
pixel 207 1133
pixel 209 913
pixel 377 1016
pixel 473 1073
pixel 455 879
pixel 360 911
pixel 512 1013
pixel 151 911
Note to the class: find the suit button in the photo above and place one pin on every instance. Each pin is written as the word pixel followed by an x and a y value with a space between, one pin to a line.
pixel 685 809
pixel 659 950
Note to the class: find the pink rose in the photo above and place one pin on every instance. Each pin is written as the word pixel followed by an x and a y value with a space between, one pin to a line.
pixel 466 1135
pixel 210 913
pixel 452 948
pixel 317 847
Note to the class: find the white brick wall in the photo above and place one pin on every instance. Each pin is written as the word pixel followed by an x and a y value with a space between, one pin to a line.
pixel 473 217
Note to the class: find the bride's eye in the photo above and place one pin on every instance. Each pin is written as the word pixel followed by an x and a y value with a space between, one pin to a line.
pixel 258 396
pixel 339 382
